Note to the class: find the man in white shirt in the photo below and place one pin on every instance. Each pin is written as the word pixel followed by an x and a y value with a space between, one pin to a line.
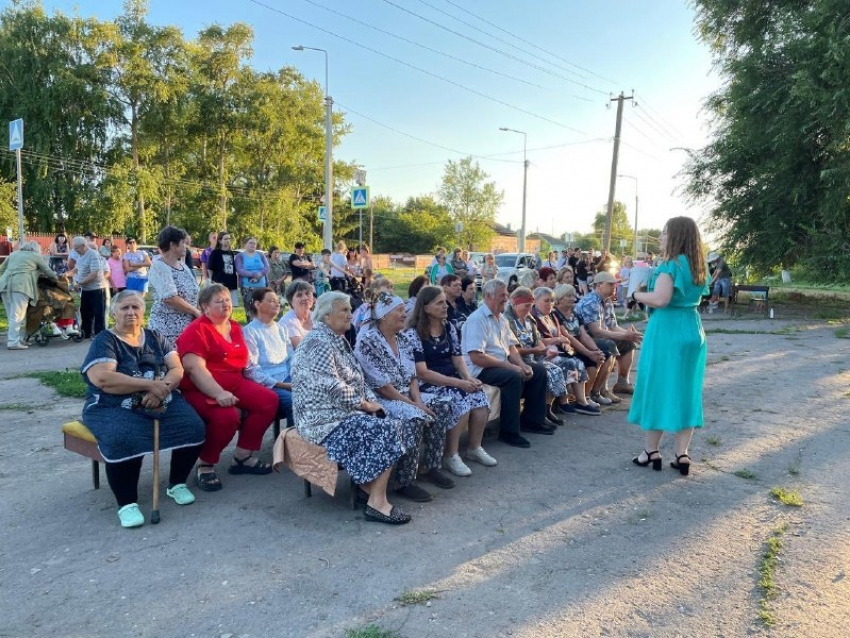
pixel 489 349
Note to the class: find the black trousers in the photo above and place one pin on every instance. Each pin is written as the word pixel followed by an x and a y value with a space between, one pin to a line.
pixel 123 476
pixel 93 312
pixel 513 388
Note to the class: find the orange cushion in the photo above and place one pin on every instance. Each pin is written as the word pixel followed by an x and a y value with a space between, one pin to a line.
pixel 78 431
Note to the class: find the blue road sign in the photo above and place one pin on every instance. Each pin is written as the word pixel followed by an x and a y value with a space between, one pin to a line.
pixel 360 197
pixel 323 213
pixel 16 135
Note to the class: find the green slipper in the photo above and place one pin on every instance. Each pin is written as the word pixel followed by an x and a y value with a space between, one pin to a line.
pixel 131 516
pixel 181 494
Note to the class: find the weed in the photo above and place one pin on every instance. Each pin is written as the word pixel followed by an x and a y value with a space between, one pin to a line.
pixel 767 574
pixel 370 631
pixel 791 498
pixel 744 474
pixel 67 383
pixel 713 440
pixel 843 332
pixel 17 407
pixel 420 597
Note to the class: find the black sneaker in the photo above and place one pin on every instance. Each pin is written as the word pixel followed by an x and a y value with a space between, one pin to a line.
pixel 514 440
pixel 587 410
pixel 414 493
pixel 565 408
pixel 550 416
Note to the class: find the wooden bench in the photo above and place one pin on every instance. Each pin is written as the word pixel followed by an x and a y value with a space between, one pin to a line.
pixel 760 296
pixel 79 439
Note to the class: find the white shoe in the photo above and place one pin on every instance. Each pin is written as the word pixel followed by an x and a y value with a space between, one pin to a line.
pixel 456 466
pixel 16 345
pixel 480 456
pixel 55 331
pixel 598 398
pixel 71 331
pixel 592 403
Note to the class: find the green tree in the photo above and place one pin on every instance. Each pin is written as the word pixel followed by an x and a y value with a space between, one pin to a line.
pixel 775 173
pixel 471 201
pixel 8 205
pixel 620 227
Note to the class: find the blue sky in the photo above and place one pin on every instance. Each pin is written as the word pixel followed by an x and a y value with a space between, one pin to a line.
pixel 645 46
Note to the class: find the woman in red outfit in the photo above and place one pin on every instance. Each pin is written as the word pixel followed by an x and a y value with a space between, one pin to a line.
pixel 214 357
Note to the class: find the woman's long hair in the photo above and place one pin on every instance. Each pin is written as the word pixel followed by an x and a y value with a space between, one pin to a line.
pixel 419 318
pixel 683 238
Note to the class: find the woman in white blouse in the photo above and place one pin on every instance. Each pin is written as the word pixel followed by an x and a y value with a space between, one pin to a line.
pixel 268 349
pixel 298 321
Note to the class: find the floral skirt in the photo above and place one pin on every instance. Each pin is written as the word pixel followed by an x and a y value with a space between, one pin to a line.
pixel 367 445
pixel 556 382
pixel 573 367
pixel 450 404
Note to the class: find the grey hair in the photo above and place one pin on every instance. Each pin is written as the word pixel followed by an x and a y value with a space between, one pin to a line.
pixel 327 303
pixel 542 292
pixel 79 241
pixel 31 246
pixel 489 289
pixel 121 296
pixel 564 290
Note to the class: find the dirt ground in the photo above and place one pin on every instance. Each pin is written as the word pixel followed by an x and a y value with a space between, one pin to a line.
pixel 565 539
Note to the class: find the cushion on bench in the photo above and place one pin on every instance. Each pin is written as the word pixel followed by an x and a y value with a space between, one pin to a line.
pixel 78 431
pixel 305 459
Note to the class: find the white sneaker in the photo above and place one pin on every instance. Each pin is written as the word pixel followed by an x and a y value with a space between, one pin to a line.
pixel 480 456
pixel 592 403
pixel 71 331
pixel 55 331
pixel 598 398
pixel 456 466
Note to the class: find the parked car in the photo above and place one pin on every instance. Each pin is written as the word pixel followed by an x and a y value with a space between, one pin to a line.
pixel 513 265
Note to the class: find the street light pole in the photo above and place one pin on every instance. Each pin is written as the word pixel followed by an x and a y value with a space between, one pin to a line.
pixel 327 235
pixel 636 211
pixel 524 182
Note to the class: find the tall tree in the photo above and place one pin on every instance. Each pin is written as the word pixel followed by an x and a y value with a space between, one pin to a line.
pixel 471 200
pixel 621 229
pixel 776 170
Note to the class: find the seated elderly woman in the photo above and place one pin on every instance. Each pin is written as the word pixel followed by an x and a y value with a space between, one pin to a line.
pixel 532 350
pixel 131 373
pixel 335 408
pixel 298 321
pixel 568 359
pixel 269 350
pixel 447 386
pixel 386 356
pixel 598 364
pixel 215 356
pixel 363 314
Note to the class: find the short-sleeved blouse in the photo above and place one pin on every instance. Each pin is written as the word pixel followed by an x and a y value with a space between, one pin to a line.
pixel 437 352
pixel 168 282
pixel 222 356
pixel 381 365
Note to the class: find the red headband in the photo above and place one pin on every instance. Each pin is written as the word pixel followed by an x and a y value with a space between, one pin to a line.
pixel 521 299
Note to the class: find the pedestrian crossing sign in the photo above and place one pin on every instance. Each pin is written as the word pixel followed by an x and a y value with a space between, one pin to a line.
pixel 323 213
pixel 16 135
pixel 360 197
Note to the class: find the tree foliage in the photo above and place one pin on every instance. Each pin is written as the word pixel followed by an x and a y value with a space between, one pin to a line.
pixel 471 201
pixel 621 229
pixel 130 126
pixel 776 172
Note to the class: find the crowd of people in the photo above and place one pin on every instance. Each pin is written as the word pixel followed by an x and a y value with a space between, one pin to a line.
pixel 385 385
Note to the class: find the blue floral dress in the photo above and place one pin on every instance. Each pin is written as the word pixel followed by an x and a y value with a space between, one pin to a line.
pixel 528 337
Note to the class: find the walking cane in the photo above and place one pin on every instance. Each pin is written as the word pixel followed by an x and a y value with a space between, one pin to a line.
pixel 155 510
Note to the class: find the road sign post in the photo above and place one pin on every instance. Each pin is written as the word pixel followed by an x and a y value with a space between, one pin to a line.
pixel 16 143
pixel 323 214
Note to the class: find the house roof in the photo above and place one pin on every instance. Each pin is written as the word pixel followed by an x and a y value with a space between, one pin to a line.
pixel 503 230
pixel 549 239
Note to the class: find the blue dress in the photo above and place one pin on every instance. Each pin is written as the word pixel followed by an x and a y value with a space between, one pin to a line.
pixel 668 390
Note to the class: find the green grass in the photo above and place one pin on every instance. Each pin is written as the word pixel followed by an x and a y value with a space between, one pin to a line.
pixel 370 631
pixel 66 383
pixel 713 440
pixel 19 407
pixel 791 498
pixel 843 332
pixel 744 474
pixel 767 574
pixel 4 323
pixel 420 597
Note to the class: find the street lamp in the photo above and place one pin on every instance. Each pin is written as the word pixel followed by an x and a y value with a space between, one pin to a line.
pixel 327 235
pixel 524 182
pixel 636 211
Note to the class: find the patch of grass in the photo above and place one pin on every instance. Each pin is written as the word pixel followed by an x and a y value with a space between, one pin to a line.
pixel 419 597
pixel 713 440
pixel 66 383
pixel 370 631
pixel 744 474
pixel 19 407
pixel 736 331
pixel 791 498
pixel 843 332
pixel 767 574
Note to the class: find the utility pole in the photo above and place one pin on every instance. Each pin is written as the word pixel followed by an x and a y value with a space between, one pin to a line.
pixel 522 230
pixel 371 219
pixel 606 241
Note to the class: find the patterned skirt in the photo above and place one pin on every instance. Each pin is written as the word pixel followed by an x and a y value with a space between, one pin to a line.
pixel 556 382
pixel 573 367
pixel 450 404
pixel 366 445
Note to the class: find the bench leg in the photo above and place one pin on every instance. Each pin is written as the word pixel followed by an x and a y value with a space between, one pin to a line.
pixel 308 489
pixel 276 429
pixel 95 474
pixel 353 490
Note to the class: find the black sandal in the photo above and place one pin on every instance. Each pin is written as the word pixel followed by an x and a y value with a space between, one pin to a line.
pixel 656 463
pixel 396 517
pixel 239 467
pixel 684 468
pixel 207 481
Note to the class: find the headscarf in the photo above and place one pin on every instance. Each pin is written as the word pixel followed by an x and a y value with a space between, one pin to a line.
pixel 385 304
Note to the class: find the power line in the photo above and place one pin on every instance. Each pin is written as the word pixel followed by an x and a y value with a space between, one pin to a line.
pixel 642 102
pixel 499 51
pixel 513 35
pixel 655 127
pixel 419 139
pixel 422 46
pixel 640 131
pixel 635 148
pixel 416 68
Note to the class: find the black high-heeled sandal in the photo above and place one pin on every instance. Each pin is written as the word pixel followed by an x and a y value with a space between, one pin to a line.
pixel 656 463
pixel 684 468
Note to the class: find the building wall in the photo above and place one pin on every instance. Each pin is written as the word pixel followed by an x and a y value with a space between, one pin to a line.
pixel 510 244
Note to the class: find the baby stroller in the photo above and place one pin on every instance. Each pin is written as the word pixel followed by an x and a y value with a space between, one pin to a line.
pixel 55 306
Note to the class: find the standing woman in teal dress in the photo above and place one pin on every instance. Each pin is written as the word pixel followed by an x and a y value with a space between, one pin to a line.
pixel 668 392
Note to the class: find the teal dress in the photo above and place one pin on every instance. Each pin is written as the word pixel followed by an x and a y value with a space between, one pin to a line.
pixel 668 390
